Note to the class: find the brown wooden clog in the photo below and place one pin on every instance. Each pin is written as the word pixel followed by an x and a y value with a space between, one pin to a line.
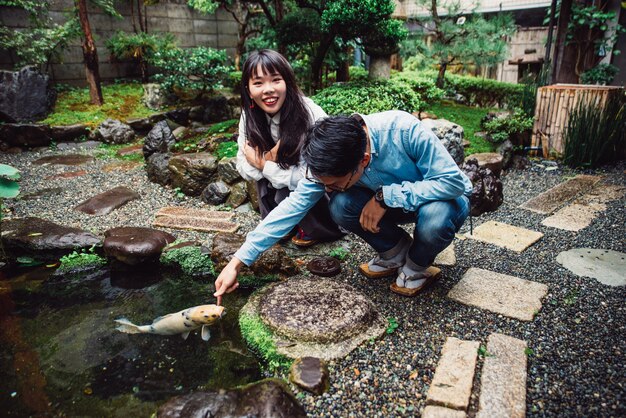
pixel 435 274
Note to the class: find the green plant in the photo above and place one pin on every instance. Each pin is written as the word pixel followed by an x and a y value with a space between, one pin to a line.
pixel 221 127
pixel 259 337
pixel 502 128
pixel 482 351
pixel 393 325
pixel 600 74
pixel 190 259
pixel 80 260
pixel 421 84
pixel 368 97
pixel 339 253
pixel 529 351
pixel 178 192
pixel 485 92
pixel 595 134
pixel 256 282
pixel 139 47
pixel 197 70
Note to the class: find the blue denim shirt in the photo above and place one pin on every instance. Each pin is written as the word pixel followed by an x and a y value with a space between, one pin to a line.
pixel 408 162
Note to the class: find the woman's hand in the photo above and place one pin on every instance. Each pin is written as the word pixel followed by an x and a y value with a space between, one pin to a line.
pixel 253 157
pixel 226 282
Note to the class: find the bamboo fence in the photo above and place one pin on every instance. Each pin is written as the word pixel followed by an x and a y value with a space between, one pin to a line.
pixel 554 105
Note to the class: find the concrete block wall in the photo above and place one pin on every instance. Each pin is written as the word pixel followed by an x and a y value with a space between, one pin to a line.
pixel 191 28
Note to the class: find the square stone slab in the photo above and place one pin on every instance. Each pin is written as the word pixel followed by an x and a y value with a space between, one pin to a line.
pixel 583 211
pixel 452 383
pixel 504 235
pixel 446 257
pixel 500 293
pixel 552 199
pixel 503 378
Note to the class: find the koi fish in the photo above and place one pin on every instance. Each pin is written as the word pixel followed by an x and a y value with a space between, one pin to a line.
pixel 182 322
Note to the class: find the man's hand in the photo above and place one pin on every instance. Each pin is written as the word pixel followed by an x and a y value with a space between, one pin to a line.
pixel 371 215
pixel 226 282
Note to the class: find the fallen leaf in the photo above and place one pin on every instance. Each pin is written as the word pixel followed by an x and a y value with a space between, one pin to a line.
pixel 35 234
pixel 413 375
pixel 357 372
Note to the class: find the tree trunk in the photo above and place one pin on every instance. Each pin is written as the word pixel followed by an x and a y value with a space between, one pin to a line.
pixel 564 55
pixel 90 55
pixel 343 72
pixel 318 61
pixel 441 75
pixel 380 67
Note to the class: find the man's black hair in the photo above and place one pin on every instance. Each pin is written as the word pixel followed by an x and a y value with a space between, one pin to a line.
pixel 334 146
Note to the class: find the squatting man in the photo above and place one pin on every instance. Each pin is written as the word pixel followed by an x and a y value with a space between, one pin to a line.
pixel 381 170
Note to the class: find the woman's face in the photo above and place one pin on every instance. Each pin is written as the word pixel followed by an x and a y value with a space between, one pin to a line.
pixel 268 91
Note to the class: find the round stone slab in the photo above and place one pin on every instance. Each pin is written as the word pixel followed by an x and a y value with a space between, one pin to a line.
pixel 606 266
pixel 324 266
pixel 315 317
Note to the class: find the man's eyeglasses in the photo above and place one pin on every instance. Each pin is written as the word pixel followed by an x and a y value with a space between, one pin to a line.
pixel 332 187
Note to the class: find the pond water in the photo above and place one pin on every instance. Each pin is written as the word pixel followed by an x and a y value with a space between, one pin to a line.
pixel 61 355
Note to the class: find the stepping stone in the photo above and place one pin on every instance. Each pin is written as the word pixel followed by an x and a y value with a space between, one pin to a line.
pixel 499 293
pixel 606 266
pixel 135 245
pixel 452 384
pixel 310 373
pixel 107 202
pixel 504 235
pixel 42 193
pixel 584 210
pixel 446 257
pixel 177 217
pixel 121 166
pixel 550 200
pixel 66 175
pixel 68 159
pixel 129 150
pixel 503 378
pixel 432 411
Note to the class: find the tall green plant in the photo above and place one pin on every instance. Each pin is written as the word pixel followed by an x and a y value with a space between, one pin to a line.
pixel 595 134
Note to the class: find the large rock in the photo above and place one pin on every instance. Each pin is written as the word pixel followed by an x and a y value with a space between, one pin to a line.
pixel 310 373
pixel 134 245
pixel 154 96
pixel 159 139
pixel 253 194
pixel 216 109
pixel 238 194
pixel 44 239
pixel 25 95
pixel 487 193
pixel 215 193
pixel 25 135
pixel 269 398
pixel 192 172
pixel 69 132
pixel 157 168
pixel 227 170
pixel 112 131
pixel 314 317
pixel 490 160
pixel 180 116
pixel 450 135
pixel 272 261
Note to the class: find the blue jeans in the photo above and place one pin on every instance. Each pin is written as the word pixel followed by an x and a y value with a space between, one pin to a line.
pixel 436 223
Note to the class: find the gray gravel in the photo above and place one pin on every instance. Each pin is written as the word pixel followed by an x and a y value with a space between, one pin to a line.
pixel 576 367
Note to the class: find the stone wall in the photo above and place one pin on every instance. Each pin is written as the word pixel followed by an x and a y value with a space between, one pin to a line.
pixel 190 27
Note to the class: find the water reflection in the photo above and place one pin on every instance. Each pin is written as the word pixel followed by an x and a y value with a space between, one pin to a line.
pixel 61 355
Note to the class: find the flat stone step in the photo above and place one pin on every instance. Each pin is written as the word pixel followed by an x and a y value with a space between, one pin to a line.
pixel 452 385
pixel 579 214
pixel 606 266
pixel 503 378
pixel 193 213
pixel 106 202
pixel 447 257
pixel 433 411
pixel 550 200
pixel 196 224
pixel 500 293
pixel 504 235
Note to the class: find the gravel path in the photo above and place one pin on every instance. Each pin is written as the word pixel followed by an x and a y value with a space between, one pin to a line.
pixel 576 366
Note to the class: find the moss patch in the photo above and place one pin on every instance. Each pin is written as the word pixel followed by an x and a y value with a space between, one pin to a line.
pixel 467 117
pixel 121 101
pixel 256 282
pixel 190 260
pixel 80 261
pixel 260 339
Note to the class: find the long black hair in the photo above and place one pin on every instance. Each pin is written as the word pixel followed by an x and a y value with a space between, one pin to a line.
pixel 294 115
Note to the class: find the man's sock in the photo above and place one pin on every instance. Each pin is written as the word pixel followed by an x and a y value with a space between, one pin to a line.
pixel 411 275
pixel 392 258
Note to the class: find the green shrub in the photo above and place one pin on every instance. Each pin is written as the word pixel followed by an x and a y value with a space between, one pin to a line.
pixel 190 259
pixel 595 134
pixel 423 85
pixel 139 47
pixel 358 74
pixel 502 128
pixel 234 81
pixel 600 74
pixel 195 70
pixel 80 261
pixel 485 92
pixel 368 97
